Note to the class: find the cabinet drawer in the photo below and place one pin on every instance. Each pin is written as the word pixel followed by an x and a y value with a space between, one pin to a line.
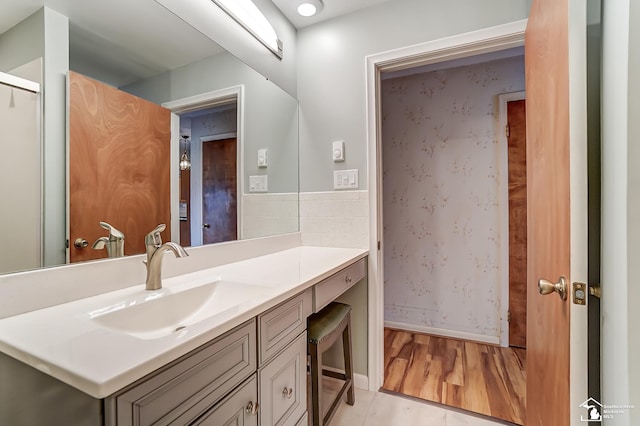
pixel 280 325
pixel 327 290
pixel 235 409
pixel 283 386
pixel 193 383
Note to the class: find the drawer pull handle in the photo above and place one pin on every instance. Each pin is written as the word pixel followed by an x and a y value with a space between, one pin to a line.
pixel 287 392
pixel 348 279
pixel 252 408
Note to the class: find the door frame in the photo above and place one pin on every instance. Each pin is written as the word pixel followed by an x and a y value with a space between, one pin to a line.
pixel 503 100
pixel 191 103
pixel 487 40
pixel 468 44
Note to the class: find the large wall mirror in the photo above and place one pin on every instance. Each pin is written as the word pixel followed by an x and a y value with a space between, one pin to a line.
pixel 141 120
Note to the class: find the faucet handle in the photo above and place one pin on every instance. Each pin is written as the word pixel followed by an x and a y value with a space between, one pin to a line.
pixel 153 238
pixel 113 232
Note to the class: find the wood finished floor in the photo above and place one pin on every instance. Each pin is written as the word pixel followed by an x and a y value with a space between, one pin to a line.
pixel 481 378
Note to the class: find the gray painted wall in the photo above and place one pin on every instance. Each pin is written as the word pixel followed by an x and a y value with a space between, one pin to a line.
pixel 227 33
pixel 46 34
pixel 331 71
pixel 620 209
pixel 23 43
pixel 270 114
pixel 56 67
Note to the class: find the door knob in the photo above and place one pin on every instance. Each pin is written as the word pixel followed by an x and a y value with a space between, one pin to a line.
pixel 206 226
pixel 80 243
pixel 547 287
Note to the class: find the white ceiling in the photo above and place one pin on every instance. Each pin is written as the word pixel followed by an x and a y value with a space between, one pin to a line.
pixel 331 9
pixel 122 41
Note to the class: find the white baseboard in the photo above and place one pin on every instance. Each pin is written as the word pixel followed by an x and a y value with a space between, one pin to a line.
pixel 492 340
pixel 359 380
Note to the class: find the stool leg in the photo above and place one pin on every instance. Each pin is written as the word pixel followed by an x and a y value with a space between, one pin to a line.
pixel 348 360
pixel 316 388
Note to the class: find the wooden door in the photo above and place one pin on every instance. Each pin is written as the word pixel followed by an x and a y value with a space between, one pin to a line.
pixel 517 146
pixel 119 159
pixel 185 197
pixel 219 191
pixel 556 231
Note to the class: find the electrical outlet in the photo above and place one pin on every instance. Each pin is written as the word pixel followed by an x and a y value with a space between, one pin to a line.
pixel 258 183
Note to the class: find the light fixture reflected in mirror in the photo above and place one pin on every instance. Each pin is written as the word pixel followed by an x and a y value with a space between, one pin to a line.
pixel 309 7
pixel 247 14
pixel 185 162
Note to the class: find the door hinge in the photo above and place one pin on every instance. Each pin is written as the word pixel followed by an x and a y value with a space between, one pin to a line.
pixel 507 131
pixel 508 316
pixel 378 245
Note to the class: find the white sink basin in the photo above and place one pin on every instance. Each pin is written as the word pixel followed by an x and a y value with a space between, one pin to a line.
pixel 155 314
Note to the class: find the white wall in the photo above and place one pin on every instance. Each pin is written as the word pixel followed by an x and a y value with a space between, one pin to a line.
pixel 445 188
pixel 56 67
pixel 20 173
pixel 620 209
pixel 331 71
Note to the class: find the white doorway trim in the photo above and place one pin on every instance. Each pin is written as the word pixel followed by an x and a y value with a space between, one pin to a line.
pixel 192 103
pixel 503 165
pixel 468 44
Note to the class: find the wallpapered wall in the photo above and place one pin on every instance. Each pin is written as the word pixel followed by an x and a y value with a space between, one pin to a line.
pixel 443 189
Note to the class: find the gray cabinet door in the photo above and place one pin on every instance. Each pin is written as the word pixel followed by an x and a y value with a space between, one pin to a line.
pixel 283 386
pixel 280 325
pixel 237 409
pixel 189 386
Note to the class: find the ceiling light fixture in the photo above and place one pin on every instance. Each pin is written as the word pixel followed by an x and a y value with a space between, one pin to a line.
pixel 247 14
pixel 309 7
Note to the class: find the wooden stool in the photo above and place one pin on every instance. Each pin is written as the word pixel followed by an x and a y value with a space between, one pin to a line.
pixel 323 329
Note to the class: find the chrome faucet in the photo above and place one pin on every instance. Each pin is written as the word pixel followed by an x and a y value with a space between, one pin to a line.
pixel 114 243
pixel 155 250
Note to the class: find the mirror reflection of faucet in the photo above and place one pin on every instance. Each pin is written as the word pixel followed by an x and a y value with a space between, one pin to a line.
pixel 155 250
pixel 114 243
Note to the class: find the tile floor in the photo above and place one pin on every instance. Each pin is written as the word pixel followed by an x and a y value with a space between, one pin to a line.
pixel 384 409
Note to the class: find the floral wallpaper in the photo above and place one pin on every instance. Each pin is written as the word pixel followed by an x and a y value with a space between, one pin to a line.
pixel 442 196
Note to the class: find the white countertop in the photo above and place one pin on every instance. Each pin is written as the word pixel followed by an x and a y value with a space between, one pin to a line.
pixel 64 342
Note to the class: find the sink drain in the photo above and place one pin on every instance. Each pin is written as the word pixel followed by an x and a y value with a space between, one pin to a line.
pixel 180 328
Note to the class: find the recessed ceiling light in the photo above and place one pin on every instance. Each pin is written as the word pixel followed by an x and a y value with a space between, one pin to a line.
pixel 309 7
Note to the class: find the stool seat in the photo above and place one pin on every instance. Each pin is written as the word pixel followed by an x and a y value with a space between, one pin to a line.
pixel 323 330
pixel 327 321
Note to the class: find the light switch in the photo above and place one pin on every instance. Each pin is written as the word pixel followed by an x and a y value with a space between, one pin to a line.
pixel 258 183
pixel 262 158
pixel 345 179
pixel 338 151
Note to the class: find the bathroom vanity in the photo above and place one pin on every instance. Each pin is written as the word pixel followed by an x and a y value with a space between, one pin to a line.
pixel 241 363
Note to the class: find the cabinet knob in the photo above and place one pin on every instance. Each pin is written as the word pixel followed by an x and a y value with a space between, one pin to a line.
pixel 348 279
pixel 287 392
pixel 252 408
